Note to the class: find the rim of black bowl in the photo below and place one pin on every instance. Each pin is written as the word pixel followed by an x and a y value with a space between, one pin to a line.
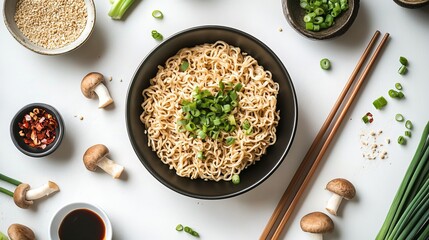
pixel 235 189
pixel 18 140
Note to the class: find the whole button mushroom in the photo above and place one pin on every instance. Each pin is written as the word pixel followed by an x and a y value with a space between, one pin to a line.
pixel 340 188
pixel 95 157
pixel 20 232
pixel 316 223
pixel 23 196
pixel 92 84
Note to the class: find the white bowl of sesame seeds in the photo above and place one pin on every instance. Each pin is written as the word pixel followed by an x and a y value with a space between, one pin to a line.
pixel 50 27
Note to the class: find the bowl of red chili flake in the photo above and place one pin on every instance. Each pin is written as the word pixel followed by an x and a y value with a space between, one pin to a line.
pixel 37 129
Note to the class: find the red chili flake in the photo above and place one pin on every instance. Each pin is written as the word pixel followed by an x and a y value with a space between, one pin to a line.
pixel 38 128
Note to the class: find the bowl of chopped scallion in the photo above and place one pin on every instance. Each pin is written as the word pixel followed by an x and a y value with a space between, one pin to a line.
pixel 321 19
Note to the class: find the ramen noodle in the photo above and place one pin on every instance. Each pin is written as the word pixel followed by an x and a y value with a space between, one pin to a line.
pixel 208 65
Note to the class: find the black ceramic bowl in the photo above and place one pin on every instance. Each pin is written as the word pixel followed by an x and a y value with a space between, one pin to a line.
pixel 295 16
pixel 412 3
pixel 253 175
pixel 19 140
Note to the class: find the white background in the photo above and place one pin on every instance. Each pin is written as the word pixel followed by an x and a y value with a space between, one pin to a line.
pixel 142 208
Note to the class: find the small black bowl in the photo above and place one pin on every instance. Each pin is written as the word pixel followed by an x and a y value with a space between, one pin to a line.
pixel 19 141
pixel 412 3
pixel 295 16
pixel 286 103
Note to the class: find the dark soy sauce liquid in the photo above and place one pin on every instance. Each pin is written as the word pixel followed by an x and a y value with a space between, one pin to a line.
pixel 82 224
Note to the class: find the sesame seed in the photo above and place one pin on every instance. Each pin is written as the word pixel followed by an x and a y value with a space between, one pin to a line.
pixel 51 23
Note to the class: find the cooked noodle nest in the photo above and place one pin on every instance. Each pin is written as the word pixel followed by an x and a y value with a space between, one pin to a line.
pixel 208 65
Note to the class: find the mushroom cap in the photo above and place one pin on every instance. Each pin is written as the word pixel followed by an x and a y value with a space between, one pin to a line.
pixel 94 154
pixel 316 222
pixel 342 187
pixel 19 196
pixel 90 82
pixel 20 232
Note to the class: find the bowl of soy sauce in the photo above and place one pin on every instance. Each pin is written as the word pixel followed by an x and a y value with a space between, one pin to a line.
pixel 80 221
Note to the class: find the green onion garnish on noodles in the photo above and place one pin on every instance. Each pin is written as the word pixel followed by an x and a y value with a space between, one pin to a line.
pixel 207 114
pixel 184 65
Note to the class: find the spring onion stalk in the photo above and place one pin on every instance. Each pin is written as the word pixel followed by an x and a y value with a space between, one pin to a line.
pixel 9 180
pixel 5 191
pixel 407 216
pixel 119 7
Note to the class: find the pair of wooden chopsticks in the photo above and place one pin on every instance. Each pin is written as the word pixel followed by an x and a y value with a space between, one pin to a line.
pixel 308 166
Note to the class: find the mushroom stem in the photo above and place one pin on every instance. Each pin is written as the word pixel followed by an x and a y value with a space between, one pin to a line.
pixel 109 166
pixel 316 236
pixel 333 203
pixel 103 94
pixel 44 190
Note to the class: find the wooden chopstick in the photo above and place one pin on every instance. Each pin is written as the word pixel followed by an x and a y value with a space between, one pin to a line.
pixel 291 196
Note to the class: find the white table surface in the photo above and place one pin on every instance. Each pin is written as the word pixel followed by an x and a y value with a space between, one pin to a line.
pixel 142 208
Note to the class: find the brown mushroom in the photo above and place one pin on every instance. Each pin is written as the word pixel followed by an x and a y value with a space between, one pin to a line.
pixel 20 232
pixel 92 84
pixel 23 195
pixel 316 223
pixel 340 188
pixel 95 157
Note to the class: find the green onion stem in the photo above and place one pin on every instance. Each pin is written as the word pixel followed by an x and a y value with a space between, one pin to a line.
pixel 119 7
pixel 9 180
pixel 5 191
pixel 403 192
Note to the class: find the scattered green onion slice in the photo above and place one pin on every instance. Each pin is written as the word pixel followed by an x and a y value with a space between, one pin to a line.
pixel 399 117
pixel 190 231
pixel 400 95
pixel 379 103
pixel 402 140
pixel 398 86
pixel 367 118
pixel 402 70
pixel 408 124
pixel 408 133
pixel 325 64
pixel 235 179
pixel 403 60
pixel 156 35
pixel 392 93
pixel 179 227
pixel 184 65
pixel 157 14
pixel 200 155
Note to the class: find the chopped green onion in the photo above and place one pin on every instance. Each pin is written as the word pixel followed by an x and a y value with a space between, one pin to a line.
pixel 200 155
pixel 398 86
pixel 402 70
pixel 325 64
pixel 3 236
pixel 320 14
pixel 157 14
pixel 403 61
pixel 380 102
pixel 408 124
pixel 119 7
pixel 367 118
pixel 230 141
pixel 399 117
pixel 400 95
pixel 235 179
pixel 156 35
pixel 408 133
pixel 184 65
pixel 392 93
pixel 402 140
pixel 179 227
pixel 191 231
